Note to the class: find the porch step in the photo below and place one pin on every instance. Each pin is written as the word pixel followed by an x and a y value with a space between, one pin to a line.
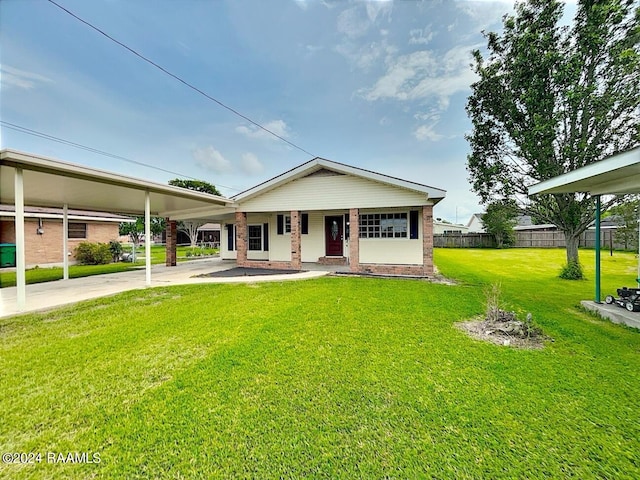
pixel 332 260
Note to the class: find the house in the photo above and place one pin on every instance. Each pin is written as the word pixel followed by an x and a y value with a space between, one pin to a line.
pixel 475 225
pixel 333 214
pixel 443 227
pixel 43 231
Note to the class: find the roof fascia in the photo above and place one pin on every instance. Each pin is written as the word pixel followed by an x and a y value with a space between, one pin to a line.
pixel 27 161
pixel 319 163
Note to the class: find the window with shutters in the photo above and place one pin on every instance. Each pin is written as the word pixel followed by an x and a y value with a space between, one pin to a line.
pixel 383 225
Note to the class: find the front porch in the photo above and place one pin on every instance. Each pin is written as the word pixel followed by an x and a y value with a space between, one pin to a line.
pixel 390 241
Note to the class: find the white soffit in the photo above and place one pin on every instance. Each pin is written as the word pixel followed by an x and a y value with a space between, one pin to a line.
pixel 53 183
pixel 618 174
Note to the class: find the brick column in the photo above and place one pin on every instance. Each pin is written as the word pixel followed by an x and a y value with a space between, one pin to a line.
pixel 354 240
pixel 172 238
pixel 241 238
pixel 427 239
pixel 296 243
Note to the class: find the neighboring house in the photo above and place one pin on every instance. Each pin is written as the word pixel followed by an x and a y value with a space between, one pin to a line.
pixel 475 225
pixel 209 233
pixel 331 213
pixel 442 227
pixel 43 231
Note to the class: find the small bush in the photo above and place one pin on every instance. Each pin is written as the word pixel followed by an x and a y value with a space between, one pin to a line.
pixel 93 253
pixel 115 248
pixel 572 271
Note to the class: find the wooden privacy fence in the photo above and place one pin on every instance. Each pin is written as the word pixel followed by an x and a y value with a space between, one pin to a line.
pixel 524 239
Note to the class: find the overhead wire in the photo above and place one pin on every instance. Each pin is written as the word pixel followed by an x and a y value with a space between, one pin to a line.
pixel 179 79
pixel 35 133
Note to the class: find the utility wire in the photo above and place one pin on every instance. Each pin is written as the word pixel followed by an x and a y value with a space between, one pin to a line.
pixel 176 77
pixel 35 133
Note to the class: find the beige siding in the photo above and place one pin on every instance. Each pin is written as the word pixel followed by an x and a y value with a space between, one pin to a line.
pixel 332 192
pixel 394 251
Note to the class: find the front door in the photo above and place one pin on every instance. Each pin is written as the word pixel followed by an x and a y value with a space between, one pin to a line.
pixel 333 234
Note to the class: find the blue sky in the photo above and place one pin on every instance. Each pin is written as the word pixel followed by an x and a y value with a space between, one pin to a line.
pixel 380 85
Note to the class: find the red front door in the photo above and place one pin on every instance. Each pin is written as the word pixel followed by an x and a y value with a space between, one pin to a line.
pixel 333 235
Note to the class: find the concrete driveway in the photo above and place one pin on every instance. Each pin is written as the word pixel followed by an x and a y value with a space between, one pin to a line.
pixel 44 296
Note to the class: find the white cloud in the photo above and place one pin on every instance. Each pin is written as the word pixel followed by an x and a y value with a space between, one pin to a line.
pixel 366 56
pixel 421 75
pixel 355 22
pixel 250 164
pixel 211 159
pixel 279 127
pixel 421 36
pixel 427 132
pixel 13 77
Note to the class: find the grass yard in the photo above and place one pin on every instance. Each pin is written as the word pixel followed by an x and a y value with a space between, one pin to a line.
pixel 158 256
pixel 329 378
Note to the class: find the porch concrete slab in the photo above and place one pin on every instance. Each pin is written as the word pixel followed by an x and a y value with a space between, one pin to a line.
pixel 613 313
pixel 45 296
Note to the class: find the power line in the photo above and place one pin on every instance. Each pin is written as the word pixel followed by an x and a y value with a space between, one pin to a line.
pixel 176 77
pixel 35 133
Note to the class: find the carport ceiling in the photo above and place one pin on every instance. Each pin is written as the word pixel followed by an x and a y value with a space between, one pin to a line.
pixel 53 183
pixel 619 174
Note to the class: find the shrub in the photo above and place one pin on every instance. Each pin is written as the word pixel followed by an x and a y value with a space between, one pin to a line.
pixel 93 253
pixel 572 271
pixel 115 248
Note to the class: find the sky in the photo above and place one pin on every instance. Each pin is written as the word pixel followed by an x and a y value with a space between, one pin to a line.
pixel 379 85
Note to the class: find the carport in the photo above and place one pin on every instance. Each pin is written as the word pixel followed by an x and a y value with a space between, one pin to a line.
pixel 39 181
pixel 616 175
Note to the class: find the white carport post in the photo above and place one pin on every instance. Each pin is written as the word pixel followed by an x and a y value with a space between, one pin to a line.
pixel 65 243
pixel 147 236
pixel 21 283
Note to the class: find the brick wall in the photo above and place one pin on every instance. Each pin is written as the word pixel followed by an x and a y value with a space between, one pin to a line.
pixel 427 239
pixel 47 248
pixel 172 237
pixel 354 240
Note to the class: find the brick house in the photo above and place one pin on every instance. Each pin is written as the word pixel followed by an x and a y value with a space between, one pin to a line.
pixel 43 231
pixel 331 213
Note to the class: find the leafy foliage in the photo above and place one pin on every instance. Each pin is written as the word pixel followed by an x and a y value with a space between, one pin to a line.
pixel 499 220
pixel 572 271
pixel 115 248
pixel 627 215
pixel 551 99
pixel 197 185
pixel 135 230
pixel 88 253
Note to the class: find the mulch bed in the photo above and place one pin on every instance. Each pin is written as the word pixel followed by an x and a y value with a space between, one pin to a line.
pixel 247 272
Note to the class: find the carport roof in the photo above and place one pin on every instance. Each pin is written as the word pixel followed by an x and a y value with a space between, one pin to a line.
pixel 618 174
pixel 54 183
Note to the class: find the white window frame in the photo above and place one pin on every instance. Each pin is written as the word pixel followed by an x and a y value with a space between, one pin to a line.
pixel 367 228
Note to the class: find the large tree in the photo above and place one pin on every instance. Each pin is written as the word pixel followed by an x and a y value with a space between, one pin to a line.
pixel 190 227
pixel 553 98
pixel 197 185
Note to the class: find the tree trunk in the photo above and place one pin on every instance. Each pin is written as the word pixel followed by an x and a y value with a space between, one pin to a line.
pixel 572 240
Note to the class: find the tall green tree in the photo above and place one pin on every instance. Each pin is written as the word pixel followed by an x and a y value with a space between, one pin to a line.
pixel 499 220
pixel 627 215
pixel 135 230
pixel 190 227
pixel 197 185
pixel 550 99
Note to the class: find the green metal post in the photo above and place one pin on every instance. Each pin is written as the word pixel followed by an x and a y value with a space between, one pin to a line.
pixel 597 299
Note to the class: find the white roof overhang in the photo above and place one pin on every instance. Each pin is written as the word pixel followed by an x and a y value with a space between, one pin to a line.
pixel 54 183
pixel 434 194
pixel 616 175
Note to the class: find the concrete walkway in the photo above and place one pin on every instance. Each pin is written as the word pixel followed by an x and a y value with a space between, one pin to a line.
pixel 614 313
pixel 44 296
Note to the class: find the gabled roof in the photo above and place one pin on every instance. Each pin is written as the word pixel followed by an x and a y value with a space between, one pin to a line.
pixel 318 164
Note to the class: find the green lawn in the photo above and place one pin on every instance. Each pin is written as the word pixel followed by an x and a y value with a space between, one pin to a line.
pixel 330 378
pixel 158 256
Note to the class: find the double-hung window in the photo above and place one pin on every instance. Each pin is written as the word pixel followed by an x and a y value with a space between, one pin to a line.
pixel 255 237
